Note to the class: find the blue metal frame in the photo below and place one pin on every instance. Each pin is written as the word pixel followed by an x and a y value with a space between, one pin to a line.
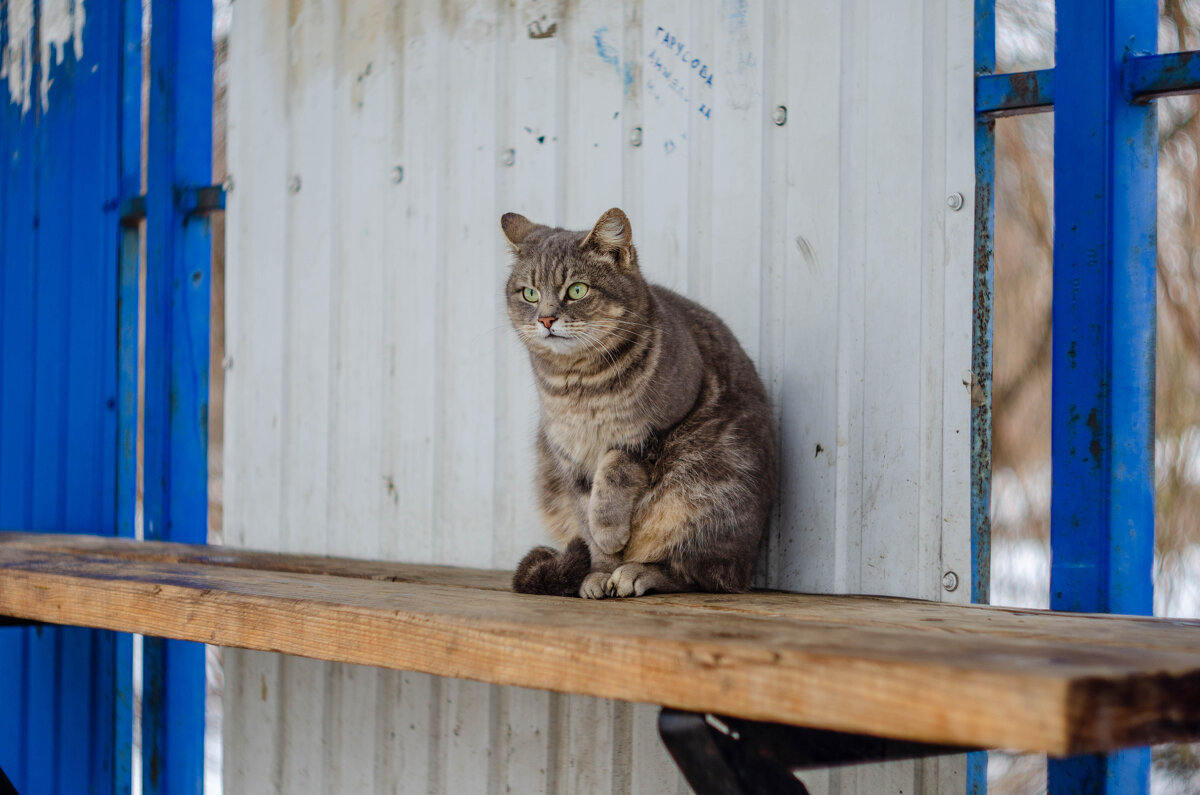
pixel 1106 151
pixel 70 208
pixel 1014 94
pixel 178 258
pixel 981 349
pixel 1102 405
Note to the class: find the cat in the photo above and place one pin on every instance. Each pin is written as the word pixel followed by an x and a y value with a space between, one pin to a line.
pixel 657 452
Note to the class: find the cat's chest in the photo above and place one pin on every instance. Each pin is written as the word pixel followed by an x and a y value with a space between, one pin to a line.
pixel 585 431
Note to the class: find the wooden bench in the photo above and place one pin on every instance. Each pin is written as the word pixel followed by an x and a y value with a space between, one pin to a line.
pixel 967 676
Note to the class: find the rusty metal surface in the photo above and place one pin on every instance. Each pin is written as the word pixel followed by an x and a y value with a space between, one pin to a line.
pixel 1014 94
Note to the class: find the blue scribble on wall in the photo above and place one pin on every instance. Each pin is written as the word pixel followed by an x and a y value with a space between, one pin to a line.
pixel 736 11
pixel 609 54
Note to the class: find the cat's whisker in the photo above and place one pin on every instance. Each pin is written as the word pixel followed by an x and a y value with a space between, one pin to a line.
pixel 620 336
pixel 600 341
pixel 607 323
pixel 601 324
pixel 625 322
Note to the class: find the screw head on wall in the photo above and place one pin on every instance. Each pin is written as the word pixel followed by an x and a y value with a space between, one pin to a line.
pixel 779 115
pixel 950 581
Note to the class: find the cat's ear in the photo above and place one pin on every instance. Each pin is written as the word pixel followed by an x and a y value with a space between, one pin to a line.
pixel 516 228
pixel 612 234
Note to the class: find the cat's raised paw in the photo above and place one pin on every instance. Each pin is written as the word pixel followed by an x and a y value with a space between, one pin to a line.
pixel 594 585
pixel 610 539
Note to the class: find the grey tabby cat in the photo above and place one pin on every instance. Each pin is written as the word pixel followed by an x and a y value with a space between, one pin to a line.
pixel 656 447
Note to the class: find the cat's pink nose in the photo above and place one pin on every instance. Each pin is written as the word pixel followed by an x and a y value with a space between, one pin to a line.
pixel 547 321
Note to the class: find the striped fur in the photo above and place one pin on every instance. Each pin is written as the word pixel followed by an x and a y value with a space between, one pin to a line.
pixel 656 444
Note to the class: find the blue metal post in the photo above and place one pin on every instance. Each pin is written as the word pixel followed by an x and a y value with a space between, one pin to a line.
pixel 981 348
pixel 981 331
pixel 176 370
pixel 1102 510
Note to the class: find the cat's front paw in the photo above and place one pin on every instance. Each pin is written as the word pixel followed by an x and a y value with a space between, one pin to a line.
pixel 620 481
pixel 632 579
pixel 594 585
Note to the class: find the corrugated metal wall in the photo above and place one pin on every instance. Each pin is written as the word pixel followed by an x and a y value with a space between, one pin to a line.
pixel 378 404
pixel 65 692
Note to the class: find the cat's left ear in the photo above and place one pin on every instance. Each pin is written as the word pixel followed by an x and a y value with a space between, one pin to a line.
pixel 613 235
pixel 516 228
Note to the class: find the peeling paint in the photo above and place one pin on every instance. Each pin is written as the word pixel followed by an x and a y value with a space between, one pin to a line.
pixel 17 63
pixel 60 23
pixel 536 31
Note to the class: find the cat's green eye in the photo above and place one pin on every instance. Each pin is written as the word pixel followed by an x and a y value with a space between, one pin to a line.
pixel 577 290
pixel 530 295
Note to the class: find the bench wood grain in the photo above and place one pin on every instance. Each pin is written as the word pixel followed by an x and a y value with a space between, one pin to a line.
pixel 970 676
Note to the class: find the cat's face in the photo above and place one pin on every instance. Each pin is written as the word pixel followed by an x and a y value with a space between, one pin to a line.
pixel 575 294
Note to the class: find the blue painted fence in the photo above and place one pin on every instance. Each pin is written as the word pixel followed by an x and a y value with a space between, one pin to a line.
pixel 69 302
pixel 1102 445
pixel 66 693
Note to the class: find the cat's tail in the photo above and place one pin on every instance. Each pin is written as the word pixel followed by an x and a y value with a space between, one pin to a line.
pixel 546 571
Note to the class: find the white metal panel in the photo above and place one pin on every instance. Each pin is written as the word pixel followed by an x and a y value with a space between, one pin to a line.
pixel 663 121
pixel 256 343
pixel 302 740
pixel 379 405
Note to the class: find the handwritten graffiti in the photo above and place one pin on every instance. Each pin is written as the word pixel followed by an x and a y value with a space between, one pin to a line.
pixel 610 55
pixel 677 48
pixel 670 78
pixel 671 70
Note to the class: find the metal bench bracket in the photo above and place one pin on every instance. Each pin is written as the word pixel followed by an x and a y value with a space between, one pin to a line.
pixel 719 755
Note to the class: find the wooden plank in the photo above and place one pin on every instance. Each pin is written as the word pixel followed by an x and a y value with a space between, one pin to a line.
pixel 797 661
pixel 855 611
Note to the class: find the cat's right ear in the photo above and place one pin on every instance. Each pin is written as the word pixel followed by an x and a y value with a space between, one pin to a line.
pixel 612 236
pixel 516 228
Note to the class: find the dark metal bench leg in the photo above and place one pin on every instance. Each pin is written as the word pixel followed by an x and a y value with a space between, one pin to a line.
pixel 719 755
pixel 715 764
pixel 6 786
